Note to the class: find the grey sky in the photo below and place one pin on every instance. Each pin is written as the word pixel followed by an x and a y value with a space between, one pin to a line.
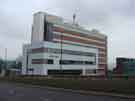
pixel 115 18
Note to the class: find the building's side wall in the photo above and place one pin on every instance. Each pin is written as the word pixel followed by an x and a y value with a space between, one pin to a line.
pixel 73 37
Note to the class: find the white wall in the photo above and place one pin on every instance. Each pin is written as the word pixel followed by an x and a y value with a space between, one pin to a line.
pixel 38 28
pixel 24 62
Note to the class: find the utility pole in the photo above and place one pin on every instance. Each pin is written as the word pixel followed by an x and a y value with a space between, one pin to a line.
pixel 61 51
pixel 27 61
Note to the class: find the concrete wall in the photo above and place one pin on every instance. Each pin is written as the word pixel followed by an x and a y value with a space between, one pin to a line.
pixel 38 28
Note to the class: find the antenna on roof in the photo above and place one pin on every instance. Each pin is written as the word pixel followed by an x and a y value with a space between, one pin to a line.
pixel 74 17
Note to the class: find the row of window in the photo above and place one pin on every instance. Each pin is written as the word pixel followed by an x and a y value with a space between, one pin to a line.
pixel 48 35
pixel 64 62
pixel 63 51
pixel 65 72
pixel 77 33
pixel 71 52
pixel 42 61
pixel 73 62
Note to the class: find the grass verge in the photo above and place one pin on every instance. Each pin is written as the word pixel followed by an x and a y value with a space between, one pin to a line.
pixel 112 86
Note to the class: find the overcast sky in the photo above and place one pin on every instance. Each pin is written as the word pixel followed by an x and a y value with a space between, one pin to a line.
pixel 115 18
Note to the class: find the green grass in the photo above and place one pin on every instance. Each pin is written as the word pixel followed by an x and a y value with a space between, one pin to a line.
pixel 112 86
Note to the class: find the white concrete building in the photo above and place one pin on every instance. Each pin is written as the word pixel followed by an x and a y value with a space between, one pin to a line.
pixel 63 48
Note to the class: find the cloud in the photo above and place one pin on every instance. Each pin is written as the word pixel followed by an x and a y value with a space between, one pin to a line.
pixel 115 18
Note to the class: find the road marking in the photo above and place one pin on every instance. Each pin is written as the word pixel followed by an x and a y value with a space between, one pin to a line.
pixel 45 99
pixel 12 92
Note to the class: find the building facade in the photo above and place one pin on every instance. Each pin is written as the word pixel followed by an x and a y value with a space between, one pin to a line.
pixel 58 47
pixel 125 66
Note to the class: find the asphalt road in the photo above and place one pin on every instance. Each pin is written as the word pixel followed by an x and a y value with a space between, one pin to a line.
pixel 18 92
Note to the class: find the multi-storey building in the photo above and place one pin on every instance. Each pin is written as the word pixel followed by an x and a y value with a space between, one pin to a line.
pixel 58 47
pixel 125 66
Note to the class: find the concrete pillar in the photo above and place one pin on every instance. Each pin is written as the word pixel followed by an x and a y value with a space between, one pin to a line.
pixel 83 72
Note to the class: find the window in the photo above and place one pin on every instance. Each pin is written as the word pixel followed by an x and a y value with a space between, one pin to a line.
pixel 42 61
pixel 89 62
pixel 70 52
pixel 73 62
pixel 47 31
pixel 50 61
pixel 67 72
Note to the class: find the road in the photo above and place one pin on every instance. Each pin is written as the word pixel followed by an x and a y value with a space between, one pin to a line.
pixel 18 92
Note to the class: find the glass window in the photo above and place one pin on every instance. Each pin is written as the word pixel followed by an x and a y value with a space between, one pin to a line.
pixel 50 61
pixel 68 62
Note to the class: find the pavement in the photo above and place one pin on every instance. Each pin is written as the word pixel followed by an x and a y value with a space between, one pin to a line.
pixel 20 92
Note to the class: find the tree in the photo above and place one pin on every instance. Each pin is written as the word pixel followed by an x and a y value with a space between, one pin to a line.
pixel 1 63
